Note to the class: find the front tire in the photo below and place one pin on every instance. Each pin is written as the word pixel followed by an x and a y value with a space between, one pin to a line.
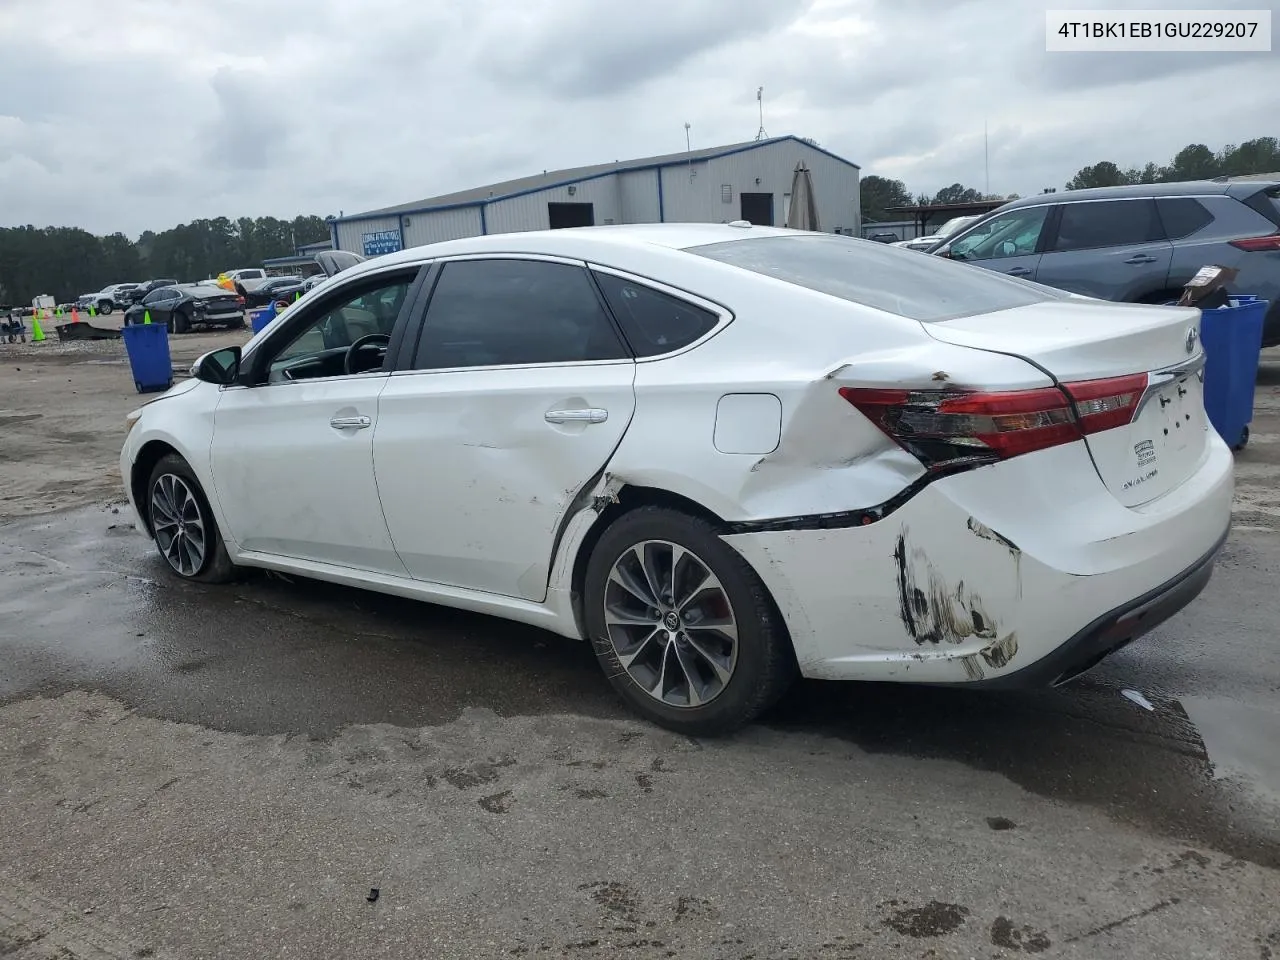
pixel 104 308
pixel 684 629
pixel 183 526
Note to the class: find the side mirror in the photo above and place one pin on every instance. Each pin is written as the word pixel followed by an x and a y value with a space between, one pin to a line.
pixel 218 366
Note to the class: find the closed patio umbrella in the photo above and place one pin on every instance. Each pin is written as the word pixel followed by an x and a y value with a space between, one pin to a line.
pixel 803 213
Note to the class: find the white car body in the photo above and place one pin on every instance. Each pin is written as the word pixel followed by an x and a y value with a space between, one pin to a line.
pixel 1021 571
pixel 947 229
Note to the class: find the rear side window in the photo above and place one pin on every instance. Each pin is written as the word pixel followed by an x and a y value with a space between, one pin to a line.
pixel 1267 203
pixel 1106 223
pixel 506 311
pixel 899 281
pixel 654 322
pixel 1182 216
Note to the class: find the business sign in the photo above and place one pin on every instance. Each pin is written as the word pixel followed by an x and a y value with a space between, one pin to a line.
pixel 384 241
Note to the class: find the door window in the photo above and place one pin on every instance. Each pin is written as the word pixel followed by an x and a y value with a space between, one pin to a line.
pixel 1012 234
pixel 160 295
pixel 1182 216
pixel 653 322
pixel 1106 223
pixel 319 347
pixel 500 312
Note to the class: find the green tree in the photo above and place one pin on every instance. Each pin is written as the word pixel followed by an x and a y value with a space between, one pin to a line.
pixel 1103 174
pixel 957 193
pixel 879 194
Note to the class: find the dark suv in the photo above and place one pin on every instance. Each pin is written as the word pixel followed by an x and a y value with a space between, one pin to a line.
pixel 1136 244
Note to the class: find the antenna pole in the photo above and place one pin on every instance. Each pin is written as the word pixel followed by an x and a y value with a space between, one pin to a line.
pixel 760 134
pixel 986 157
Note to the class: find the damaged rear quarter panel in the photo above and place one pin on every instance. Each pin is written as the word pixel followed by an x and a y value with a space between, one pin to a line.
pixel 927 595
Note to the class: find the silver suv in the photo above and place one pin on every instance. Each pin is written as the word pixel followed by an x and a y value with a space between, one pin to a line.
pixel 1136 244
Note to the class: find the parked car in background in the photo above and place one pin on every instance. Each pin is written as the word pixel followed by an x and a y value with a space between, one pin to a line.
pixel 185 306
pixel 275 288
pixel 109 298
pixel 883 238
pixel 1135 244
pixel 136 294
pixel 941 475
pixel 946 230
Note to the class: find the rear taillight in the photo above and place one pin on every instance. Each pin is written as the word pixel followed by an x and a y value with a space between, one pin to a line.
pixel 1269 243
pixel 946 429
pixel 1105 404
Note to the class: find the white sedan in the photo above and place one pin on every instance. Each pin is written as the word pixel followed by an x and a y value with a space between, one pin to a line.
pixel 725 454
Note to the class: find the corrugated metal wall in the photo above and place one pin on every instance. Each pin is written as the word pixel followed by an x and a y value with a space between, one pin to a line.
pixel 695 192
pixel 530 212
pixel 639 192
pixel 690 193
pixel 441 225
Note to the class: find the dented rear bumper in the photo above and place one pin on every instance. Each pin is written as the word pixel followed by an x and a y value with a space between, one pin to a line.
pixel 1022 573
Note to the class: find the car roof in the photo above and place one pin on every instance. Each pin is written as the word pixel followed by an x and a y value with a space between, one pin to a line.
pixel 579 243
pixel 1135 191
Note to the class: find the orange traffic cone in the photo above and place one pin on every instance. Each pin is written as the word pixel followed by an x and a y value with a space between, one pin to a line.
pixel 75 314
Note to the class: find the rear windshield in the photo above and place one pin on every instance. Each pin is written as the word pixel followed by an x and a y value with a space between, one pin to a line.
pixel 900 281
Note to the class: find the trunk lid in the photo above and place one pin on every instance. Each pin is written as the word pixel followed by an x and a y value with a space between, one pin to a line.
pixel 1082 339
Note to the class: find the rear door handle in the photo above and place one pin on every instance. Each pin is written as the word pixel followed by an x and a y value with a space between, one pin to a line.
pixel 1141 258
pixel 350 423
pixel 1019 271
pixel 587 415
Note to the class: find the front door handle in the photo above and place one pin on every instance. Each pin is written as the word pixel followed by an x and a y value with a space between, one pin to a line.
pixel 1141 258
pixel 1019 271
pixel 587 415
pixel 350 423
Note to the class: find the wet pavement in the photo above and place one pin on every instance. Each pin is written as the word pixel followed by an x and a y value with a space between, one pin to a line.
pixel 88 610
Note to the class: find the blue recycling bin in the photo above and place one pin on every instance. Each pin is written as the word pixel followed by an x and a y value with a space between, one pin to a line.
pixel 1232 340
pixel 148 347
pixel 260 318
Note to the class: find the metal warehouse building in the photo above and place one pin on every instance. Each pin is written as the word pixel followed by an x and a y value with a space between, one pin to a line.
pixel 744 181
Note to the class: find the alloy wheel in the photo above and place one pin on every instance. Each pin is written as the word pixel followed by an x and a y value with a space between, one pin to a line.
pixel 178 524
pixel 671 624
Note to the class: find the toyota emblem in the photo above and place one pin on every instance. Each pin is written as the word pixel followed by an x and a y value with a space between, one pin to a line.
pixel 1192 337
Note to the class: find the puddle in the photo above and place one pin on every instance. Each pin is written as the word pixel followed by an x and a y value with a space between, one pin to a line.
pixel 1241 743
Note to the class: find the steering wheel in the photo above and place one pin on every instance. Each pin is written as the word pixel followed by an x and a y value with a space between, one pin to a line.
pixel 360 343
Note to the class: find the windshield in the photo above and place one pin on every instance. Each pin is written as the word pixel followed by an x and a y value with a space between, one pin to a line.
pixel 898 281
pixel 952 225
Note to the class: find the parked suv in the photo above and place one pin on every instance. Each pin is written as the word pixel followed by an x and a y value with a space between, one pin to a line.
pixel 1136 244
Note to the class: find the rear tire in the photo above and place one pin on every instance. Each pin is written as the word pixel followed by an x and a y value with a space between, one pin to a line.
pixel 682 626
pixel 183 526
pixel 181 321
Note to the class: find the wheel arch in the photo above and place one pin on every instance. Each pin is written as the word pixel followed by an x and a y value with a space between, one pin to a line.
pixel 627 498
pixel 149 454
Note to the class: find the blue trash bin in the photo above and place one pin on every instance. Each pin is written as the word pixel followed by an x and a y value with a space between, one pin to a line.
pixel 1232 340
pixel 260 318
pixel 148 347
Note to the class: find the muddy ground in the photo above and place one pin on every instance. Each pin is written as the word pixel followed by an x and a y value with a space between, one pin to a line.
pixel 191 771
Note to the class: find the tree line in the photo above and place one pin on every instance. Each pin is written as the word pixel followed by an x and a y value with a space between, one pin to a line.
pixel 66 262
pixel 1193 162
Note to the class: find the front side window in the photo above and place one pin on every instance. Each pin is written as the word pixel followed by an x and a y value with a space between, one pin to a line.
pixel 321 348
pixel 1106 223
pixel 486 313
pixel 1012 234
pixel 160 295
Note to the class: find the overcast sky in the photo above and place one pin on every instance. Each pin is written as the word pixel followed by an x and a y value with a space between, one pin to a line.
pixel 135 114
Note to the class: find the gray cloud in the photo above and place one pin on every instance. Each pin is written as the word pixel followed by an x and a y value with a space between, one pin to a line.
pixel 134 114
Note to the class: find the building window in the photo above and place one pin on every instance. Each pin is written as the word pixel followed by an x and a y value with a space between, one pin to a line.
pixel 726 193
